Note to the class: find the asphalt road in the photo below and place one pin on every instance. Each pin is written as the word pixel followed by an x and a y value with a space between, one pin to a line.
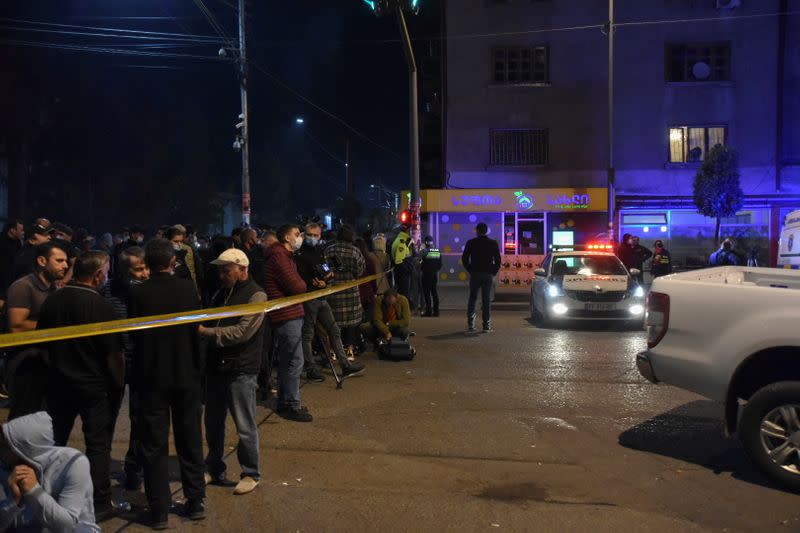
pixel 523 429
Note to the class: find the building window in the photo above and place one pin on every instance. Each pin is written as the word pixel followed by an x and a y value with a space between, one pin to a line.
pixel 690 144
pixel 519 66
pixel 698 62
pixel 512 148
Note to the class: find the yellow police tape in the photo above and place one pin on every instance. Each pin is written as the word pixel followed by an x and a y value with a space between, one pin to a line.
pixel 9 340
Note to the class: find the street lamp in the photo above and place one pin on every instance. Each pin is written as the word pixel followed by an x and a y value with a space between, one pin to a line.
pixel 299 120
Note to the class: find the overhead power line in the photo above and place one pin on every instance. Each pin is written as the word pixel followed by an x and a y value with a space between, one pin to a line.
pixel 105 50
pixel 275 79
pixel 210 38
pixel 113 35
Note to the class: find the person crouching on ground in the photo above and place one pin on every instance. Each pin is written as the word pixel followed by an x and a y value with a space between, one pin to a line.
pixel 391 318
pixel 234 360
pixel 42 486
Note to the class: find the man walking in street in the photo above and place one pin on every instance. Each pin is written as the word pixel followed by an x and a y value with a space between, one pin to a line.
pixel 481 258
pixel 86 374
pixel 283 280
pixel 168 372
pixel 316 274
pixel 27 370
pixel 234 359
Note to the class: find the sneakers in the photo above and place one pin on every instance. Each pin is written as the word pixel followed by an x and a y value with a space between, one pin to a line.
pixel 218 481
pixel 295 414
pixel 194 509
pixel 353 369
pixel 487 329
pixel 245 486
pixel 103 512
pixel 350 353
pixel 314 374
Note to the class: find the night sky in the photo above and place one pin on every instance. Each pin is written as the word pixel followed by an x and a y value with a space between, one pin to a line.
pixel 121 139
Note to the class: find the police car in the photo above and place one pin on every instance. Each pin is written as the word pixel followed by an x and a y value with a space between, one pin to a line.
pixel 586 283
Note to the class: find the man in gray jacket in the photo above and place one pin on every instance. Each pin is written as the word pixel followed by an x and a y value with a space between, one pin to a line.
pixel 42 486
pixel 234 360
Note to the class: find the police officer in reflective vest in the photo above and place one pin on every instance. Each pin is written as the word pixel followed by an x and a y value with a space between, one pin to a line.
pixel 431 265
pixel 662 261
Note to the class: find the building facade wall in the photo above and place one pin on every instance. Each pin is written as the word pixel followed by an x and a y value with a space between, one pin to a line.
pixel 573 105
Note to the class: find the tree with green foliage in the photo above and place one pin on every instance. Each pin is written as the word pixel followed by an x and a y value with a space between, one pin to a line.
pixel 717 192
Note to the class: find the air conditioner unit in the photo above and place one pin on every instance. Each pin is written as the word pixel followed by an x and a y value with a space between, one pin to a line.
pixel 728 4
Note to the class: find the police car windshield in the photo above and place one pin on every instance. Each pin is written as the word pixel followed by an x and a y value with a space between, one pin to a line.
pixel 588 265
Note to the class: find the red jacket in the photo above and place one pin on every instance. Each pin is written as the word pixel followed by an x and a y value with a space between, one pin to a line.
pixel 282 280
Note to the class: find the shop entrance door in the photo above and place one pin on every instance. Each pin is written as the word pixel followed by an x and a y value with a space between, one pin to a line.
pixel 531 237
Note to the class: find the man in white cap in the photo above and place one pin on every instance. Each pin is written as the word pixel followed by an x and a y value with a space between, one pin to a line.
pixel 234 360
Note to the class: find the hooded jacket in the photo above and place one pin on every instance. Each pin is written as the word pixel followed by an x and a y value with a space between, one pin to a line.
pixel 62 501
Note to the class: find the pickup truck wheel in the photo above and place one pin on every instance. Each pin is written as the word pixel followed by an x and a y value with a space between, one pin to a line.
pixel 770 432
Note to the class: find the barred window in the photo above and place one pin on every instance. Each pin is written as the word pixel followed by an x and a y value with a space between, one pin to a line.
pixel 518 65
pixel 518 147
pixel 698 62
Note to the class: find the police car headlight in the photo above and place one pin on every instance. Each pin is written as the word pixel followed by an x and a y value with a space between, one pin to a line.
pixel 553 291
pixel 638 292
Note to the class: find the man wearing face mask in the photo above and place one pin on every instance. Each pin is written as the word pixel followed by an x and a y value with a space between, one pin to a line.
pixel 282 280
pixel 311 265
pixel 87 374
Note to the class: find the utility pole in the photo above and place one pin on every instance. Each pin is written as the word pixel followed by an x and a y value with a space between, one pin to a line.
pixel 245 143
pixel 414 204
pixel 611 178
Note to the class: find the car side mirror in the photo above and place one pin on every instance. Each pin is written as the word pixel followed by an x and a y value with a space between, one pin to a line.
pixel 635 272
pixel 540 272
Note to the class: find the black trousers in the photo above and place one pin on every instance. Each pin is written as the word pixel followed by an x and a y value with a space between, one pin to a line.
pixel 430 291
pixel 133 461
pixel 27 382
pixel 155 408
pixel 98 416
pixel 402 280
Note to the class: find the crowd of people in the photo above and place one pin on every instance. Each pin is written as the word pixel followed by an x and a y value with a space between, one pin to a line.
pixel 633 255
pixel 193 376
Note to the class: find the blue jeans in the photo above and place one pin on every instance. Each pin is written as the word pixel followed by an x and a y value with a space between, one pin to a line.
pixel 237 393
pixel 480 281
pixel 289 347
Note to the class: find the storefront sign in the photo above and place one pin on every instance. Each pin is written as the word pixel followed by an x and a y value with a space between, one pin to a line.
pixel 512 200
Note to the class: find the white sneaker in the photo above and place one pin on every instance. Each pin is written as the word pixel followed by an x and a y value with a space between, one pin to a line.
pixel 245 486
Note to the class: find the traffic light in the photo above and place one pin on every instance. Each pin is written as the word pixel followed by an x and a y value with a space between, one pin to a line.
pixel 405 217
pixel 380 7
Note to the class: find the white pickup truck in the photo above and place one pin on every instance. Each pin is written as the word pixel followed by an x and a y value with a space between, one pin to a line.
pixel 732 334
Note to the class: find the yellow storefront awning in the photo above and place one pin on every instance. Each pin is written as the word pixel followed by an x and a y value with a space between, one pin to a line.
pixel 511 200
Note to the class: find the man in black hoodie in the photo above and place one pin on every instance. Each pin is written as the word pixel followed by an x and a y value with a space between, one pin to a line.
pixel 234 360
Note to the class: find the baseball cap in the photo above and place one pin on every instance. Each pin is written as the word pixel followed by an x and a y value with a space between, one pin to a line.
pixel 232 256
pixel 39 230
